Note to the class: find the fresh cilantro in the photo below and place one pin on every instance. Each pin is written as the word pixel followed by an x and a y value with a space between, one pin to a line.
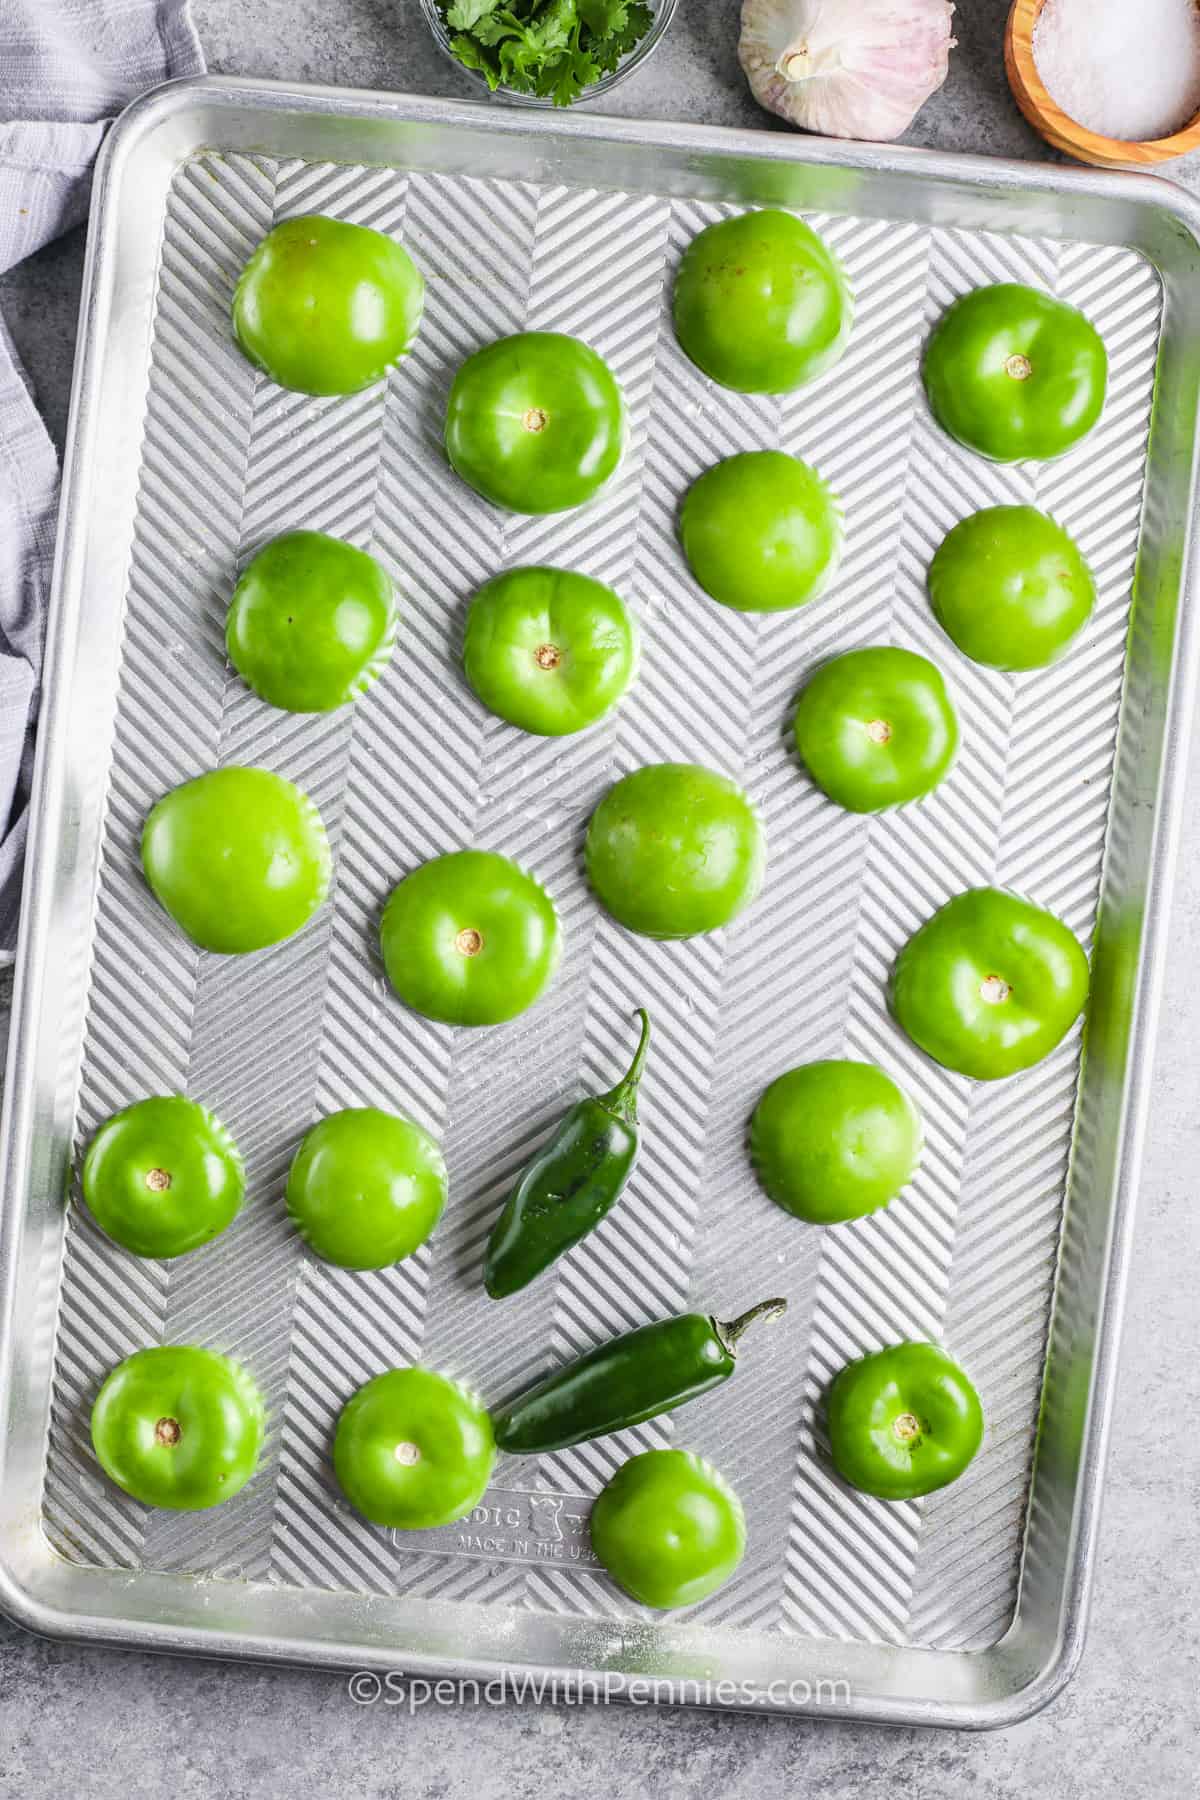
pixel 465 15
pixel 553 48
pixel 471 56
pixel 518 65
pixel 553 28
pixel 622 40
pixel 579 72
pixel 603 17
pixel 495 28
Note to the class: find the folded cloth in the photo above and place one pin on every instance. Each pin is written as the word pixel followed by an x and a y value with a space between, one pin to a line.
pixel 67 67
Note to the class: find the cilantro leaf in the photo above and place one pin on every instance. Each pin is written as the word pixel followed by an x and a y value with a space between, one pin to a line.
pixel 603 17
pixel 518 64
pixel 578 72
pixel 496 27
pixel 553 25
pixel 638 21
pixel 471 56
pixel 564 77
pixel 464 15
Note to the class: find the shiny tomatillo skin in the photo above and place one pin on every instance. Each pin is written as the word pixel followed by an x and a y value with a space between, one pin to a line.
pixel 179 1427
pixel 675 849
pixel 311 623
pixel 535 422
pixel 876 728
pixel 366 1188
pixel 470 939
pixel 990 984
pixel 238 857
pixel 903 1422
pixel 1014 374
pixel 637 1376
pixel 761 532
pixel 413 1450
pixel 834 1140
pixel 573 1182
pixel 668 1528
pixel 1010 587
pixel 163 1176
pixel 549 650
pixel 324 307
pixel 761 303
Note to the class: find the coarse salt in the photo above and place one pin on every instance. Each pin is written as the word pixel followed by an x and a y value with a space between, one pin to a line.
pixel 1124 68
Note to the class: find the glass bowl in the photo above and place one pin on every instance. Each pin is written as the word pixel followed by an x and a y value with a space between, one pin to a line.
pixel 663 10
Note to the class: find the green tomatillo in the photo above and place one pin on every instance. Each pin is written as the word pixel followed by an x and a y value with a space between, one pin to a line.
pixel 180 1427
pixel 903 1421
pixel 1014 374
pixel 366 1188
pixel 470 939
pixel 832 1141
pixel 990 984
pixel 675 849
pixel 668 1528
pixel 162 1176
pixel 876 728
pixel 311 623
pixel 535 422
pixel 413 1450
pixel 325 307
pixel 761 532
pixel 1010 587
pixel 238 857
pixel 548 650
pixel 761 303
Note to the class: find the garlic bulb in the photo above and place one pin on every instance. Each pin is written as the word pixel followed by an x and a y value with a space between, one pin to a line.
pixel 846 68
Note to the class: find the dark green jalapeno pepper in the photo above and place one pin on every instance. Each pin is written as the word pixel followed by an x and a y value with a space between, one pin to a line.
pixel 646 1372
pixel 572 1183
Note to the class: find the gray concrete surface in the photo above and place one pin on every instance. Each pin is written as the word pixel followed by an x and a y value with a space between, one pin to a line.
pixel 101 1725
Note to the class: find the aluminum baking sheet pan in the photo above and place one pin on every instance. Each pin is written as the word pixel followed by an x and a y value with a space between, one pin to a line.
pixel 966 1608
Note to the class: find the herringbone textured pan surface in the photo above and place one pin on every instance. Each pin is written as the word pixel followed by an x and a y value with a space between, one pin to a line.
pixel 274 1040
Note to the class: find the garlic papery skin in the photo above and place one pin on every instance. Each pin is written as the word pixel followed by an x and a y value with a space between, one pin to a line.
pixel 846 68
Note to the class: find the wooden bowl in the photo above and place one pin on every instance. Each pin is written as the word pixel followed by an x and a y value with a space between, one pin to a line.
pixel 1031 95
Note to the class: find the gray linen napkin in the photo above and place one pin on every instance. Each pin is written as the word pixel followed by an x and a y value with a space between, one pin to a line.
pixel 67 67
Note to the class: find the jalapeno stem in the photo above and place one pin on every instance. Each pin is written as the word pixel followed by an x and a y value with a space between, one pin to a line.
pixel 622 1100
pixel 731 1330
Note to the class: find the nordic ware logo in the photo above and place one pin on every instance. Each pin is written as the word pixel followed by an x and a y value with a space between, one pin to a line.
pixel 529 1525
